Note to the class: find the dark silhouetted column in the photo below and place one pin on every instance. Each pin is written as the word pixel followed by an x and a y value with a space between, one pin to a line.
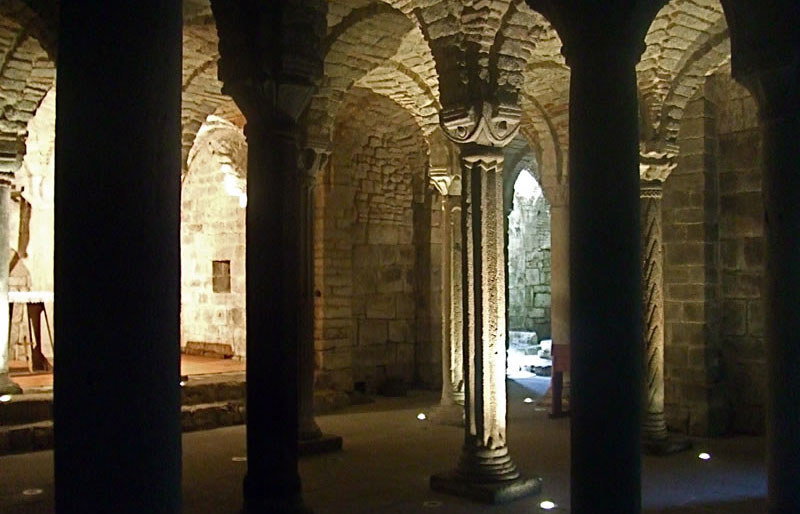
pixel 117 258
pixel 485 471
pixel 778 94
pixel 605 281
pixel 270 72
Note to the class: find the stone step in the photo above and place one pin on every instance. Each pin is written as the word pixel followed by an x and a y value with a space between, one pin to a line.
pixel 207 402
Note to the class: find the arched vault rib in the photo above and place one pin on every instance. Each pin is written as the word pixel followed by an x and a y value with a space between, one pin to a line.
pixel 366 43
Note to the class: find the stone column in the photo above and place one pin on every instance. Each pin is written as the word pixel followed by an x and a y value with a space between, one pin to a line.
pixel 450 410
pixel 777 91
pixel 605 272
pixel 655 439
pixel 271 76
pixel 311 439
pixel 558 195
pixel 7 386
pixel 117 258
pixel 485 471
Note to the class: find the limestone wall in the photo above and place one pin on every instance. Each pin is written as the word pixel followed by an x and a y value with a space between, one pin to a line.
pixel 713 252
pixel 366 250
pixel 741 235
pixel 213 229
pixel 529 265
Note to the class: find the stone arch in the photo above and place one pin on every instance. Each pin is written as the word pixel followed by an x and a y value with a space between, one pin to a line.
pixel 685 41
pixel 27 72
pixel 201 90
pixel 349 57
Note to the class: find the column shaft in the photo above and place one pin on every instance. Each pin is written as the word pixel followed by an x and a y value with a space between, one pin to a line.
pixel 451 409
pixel 6 385
pixel 605 284
pixel 274 310
pixel 654 426
pixel 117 258
pixel 780 118
pixel 308 426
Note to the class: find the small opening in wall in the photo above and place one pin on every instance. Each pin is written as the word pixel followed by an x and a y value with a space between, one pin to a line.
pixel 221 276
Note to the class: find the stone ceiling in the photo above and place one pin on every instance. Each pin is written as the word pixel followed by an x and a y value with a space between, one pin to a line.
pixel 407 51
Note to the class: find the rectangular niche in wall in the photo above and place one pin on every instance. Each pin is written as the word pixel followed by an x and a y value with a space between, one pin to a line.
pixel 221 276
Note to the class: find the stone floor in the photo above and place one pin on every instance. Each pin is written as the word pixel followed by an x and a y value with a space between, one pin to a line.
pixel 389 455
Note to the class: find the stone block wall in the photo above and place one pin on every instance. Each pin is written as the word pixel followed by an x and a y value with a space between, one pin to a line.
pixel 741 234
pixel 529 265
pixel 713 266
pixel 213 229
pixel 369 324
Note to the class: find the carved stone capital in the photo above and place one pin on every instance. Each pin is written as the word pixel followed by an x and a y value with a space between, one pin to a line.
pixel 310 161
pixel 12 150
pixel 651 189
pixel 446 183
pixel 657 165
pixel 489 124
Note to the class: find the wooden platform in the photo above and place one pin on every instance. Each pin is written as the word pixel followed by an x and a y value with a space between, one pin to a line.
pixel 191 365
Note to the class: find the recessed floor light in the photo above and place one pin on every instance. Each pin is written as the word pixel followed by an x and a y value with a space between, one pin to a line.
pixel 5 398
pixel 432 504
pixel 528 400
pixel 421 416
pixel 704 456
pixel 239 459
pixel 32 492
pixel 547 505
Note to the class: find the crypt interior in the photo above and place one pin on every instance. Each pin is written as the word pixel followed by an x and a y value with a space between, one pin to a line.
pixel 538 254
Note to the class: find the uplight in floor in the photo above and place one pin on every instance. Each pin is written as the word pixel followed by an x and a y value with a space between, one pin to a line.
pixel 547 505
pixel 704 456
pixel 421 416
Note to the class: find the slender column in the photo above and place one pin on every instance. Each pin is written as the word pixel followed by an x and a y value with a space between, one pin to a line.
pixel 311 439
pixel 558 194
pixel 485 470
pixel 7 386
pixel 117 258
pixel 605 269
pixel 451 407
pixel 655 439
pixel 779 103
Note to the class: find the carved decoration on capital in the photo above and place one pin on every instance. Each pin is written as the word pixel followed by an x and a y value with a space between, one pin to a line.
pixel 657 165
pixel 12 152
pixel 311 159
pixel 490 124
pixel 446 183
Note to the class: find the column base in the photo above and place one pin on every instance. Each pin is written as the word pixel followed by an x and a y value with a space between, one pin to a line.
pixel 486 492
pixel 8 386
pixel 326 443
pixel 664 447
pixel 452 415
pixel 275 508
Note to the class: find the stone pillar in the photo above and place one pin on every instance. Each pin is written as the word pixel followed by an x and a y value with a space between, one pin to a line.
pixel 777 92
pixel 655 439
pixel 7 386
pixel 311 439
pixel 485 471
pixel 605 273
pixel 558 195
pixel 271 75
pixel 274 311
pixel 450 410
pixel 117 258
